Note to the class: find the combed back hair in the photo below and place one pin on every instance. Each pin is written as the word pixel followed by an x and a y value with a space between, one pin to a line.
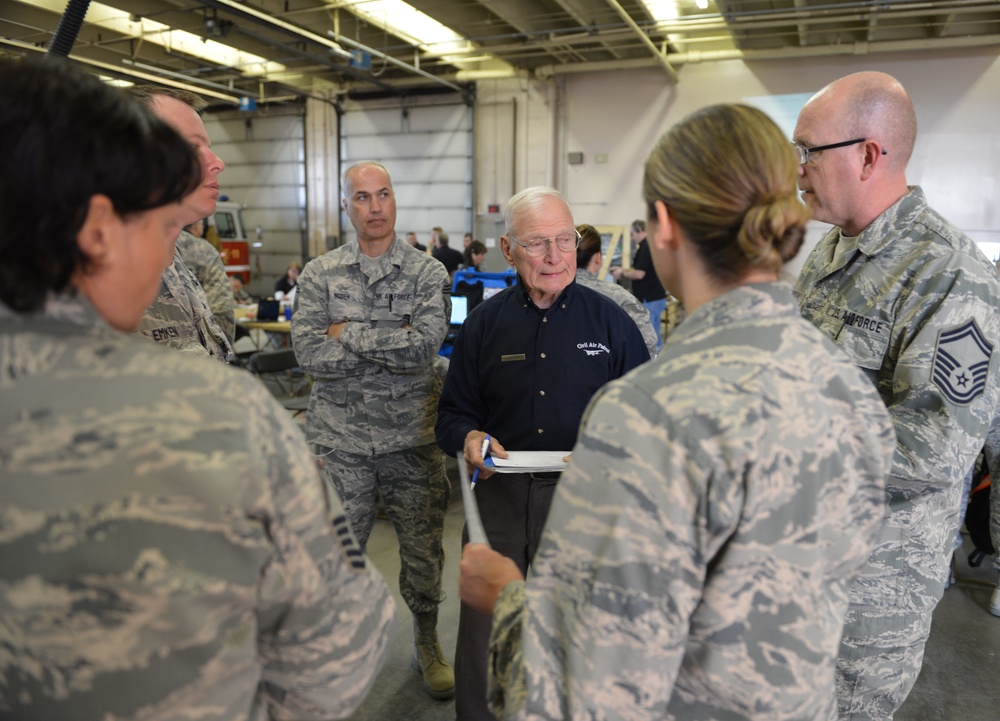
pixel 146 94
pixel 527 200
pixel 347 185
pixel 639 226
pixel 727 175
pixel 590 245
pixel 878 107
pixel 68 137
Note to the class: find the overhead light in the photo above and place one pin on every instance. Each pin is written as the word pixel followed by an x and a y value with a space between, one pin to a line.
pixel 661 10
pixel 181 41
pixel 146 77
pixel 702 4
pixel 409 24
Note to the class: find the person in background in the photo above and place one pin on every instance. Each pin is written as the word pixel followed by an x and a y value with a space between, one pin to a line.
pixel 720 499
pixel 467 240
pixel 475 254
pixel 916 305
pixel 240 296
pixel 181 315
pixel 449 256
pixel 523 368
pixel 588 262
pixel 369 319
pixel 411 238
pixel 287 282
pixel 169 550
pixel 645 285
pixel 205 263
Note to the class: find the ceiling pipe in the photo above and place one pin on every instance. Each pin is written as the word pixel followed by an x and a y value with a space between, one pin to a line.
pixel 136 74
pixel 395 61
pixel 189 79
pixel 660 57
pixel 69 27
pixel 698 56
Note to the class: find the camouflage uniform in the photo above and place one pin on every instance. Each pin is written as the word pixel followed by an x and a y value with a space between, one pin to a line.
pixel 168 550
pixel 180 316
pixel 916 305
pixel 374 396
pixel 205 263
pixel 696 562
pixel 629 303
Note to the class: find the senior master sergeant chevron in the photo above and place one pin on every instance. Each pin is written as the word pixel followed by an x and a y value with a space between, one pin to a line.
pixel 916 305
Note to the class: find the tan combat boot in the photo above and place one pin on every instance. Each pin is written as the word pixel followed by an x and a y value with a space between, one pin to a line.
pixel 429 660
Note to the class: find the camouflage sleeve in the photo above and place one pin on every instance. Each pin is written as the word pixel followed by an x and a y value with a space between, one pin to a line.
pixel 940 422
pixel 325 616
pixel 621 567
pixel 505 685
pixel 637 311
pixel 219 293
pixel 317 353
pixel 204 261
pixel 403 350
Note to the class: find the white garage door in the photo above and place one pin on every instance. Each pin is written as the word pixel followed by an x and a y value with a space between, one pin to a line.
pixel 428 151
pixel 264 154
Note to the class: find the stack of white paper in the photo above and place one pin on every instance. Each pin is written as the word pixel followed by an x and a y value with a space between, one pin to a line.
pixel 528 462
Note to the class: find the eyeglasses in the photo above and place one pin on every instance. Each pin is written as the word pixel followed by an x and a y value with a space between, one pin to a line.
pixel 540 246
pixel 803 151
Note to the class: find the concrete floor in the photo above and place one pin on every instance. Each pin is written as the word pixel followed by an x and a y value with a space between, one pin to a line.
pixel 959 680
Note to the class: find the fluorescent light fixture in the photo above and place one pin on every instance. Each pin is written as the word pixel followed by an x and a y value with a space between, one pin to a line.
pixel 702 4
pixel 180 41
pixel 406 22
pixel 662 10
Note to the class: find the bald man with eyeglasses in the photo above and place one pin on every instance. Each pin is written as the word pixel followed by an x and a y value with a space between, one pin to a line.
pixel 916 305
pixel 524 366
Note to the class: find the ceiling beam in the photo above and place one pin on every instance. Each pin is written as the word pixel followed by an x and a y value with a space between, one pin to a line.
pixel 661 58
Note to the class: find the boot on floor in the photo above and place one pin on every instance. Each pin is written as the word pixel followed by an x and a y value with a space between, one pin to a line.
pixel 429 660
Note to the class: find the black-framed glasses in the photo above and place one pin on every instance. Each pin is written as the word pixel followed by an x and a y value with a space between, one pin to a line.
pixel 803 151
pixel 540 246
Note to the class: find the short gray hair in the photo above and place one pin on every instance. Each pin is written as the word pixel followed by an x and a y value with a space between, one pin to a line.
pixel 528 199
pixel 346 187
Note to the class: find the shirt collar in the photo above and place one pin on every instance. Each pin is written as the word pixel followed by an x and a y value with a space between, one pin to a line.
pixel 563 302
pixel 888 226
pixel 67 308
pixel 746 302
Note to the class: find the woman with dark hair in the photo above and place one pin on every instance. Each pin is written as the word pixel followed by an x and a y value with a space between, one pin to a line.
pixel 720 499
pixel 475 254
pixel 168 547
pixel 286 282
pixel 589 257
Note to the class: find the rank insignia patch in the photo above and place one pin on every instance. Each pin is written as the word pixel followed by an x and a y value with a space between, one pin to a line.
pixel 961 363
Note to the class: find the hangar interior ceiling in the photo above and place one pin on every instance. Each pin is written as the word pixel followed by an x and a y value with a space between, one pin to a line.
pixel 280 50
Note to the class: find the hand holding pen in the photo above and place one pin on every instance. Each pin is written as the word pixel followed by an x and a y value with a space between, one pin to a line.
pixel 479 445
pixel 482 454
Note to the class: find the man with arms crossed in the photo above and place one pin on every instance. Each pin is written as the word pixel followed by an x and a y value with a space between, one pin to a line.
pixel 369 319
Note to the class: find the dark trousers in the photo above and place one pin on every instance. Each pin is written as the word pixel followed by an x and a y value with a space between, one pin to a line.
pixel 513 507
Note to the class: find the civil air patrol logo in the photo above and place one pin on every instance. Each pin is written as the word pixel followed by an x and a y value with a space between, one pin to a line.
pixel 961 363
pixel 593 348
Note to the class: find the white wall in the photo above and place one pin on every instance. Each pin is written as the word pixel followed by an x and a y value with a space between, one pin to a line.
pixel 621 114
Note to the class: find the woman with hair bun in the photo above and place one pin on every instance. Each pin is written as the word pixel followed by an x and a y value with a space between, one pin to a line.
pixel 720 499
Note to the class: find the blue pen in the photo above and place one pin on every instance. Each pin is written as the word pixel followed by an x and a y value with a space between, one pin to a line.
pixel 482 453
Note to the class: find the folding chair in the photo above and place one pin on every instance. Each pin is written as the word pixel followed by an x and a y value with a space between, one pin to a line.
pixel 280 372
